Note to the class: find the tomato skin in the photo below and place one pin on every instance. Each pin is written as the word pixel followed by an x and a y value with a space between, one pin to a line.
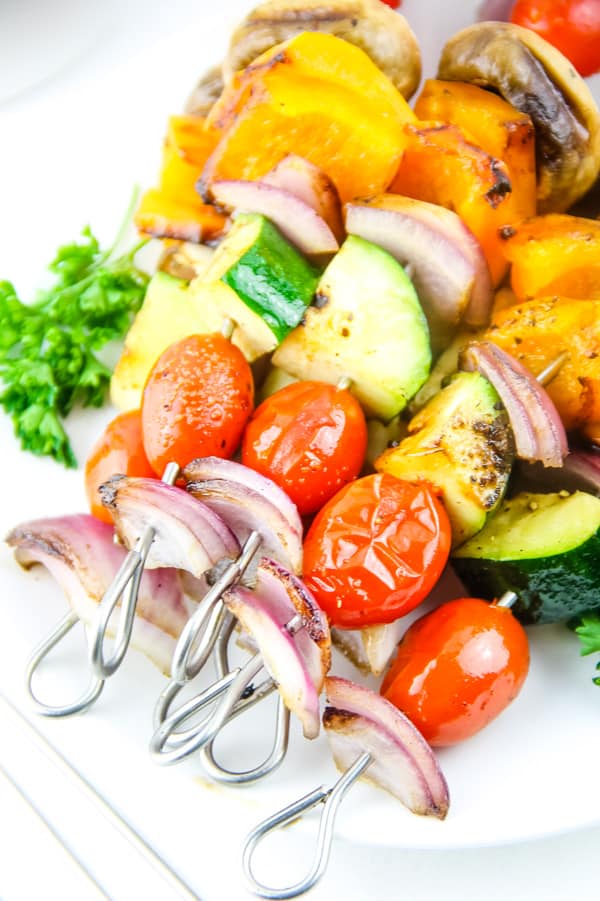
pixel 395 4
pixel 572 26
pixel 457 668
pixel 310 438
pixel 196 402
pixel 376 550
pixel 120 449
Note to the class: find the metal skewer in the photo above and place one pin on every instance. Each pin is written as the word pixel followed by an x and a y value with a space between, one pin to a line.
pixel 230 691
pixel 124 588
pixel 331 798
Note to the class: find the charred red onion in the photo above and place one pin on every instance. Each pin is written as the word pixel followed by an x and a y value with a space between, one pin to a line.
pixel 297 662
pixel 295 219
pixel 309 183
pixel 188 534
pixel 580 472
pixel 538 431
pixel 247 501
pixel 80 554
pixel 357 720
pixel 444 260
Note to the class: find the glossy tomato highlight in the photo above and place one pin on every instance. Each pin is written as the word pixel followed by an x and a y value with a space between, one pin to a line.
pixel 196 402
pixel 457 668
pixel 376 550
pixel 310 438
pixel 572 26
pixel 120 449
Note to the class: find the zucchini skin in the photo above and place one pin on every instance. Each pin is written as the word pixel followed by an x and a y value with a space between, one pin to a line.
pixel 550 589
pixel 274 280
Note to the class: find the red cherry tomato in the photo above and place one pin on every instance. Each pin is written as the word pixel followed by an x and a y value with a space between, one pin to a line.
pixel 376 550
pixel 395 4
pixel 119 449
pixel 310 438
pixel 197 400
pixel 572 26
pixel 457 668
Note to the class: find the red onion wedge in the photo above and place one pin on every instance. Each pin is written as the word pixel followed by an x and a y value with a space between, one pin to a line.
pixel 443 258
pixel 583 467
pixel 188 534
pixel 247 501
pixel 295 219
pixel 297 662
pixel 80 554
pixel 538 430
pixel 309 183
pixel 580 472
pixel 357 720
pixel 369 649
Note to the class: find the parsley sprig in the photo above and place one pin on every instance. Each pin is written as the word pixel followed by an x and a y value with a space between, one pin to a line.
pixel 48 361
pixel 587 626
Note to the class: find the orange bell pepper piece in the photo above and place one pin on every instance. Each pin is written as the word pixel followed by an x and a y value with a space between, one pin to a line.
pixel 540 331
pixel 441 166
pixel 188 145
pixel 321 98
pixel 494 125
pixel 555 254
pixel 162 217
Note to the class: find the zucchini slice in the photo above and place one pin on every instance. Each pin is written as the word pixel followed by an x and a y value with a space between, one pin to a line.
pixel 460 442
pixel 544 547
pixel 366 324
pixel 268 275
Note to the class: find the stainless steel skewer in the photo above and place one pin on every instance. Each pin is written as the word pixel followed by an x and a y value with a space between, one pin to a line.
pixel 169 746
pixel 331 799
pixel 124 588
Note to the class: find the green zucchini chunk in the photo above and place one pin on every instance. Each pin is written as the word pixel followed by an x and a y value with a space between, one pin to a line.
pixel 266 272
pixel 367 325
pixel 461 442
pixel 544 547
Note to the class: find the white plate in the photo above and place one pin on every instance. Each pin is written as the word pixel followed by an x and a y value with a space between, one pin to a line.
pixel 72 157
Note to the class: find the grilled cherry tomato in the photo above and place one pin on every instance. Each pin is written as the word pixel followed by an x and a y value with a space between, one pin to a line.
pixel 196 402
pixel 120 449
pixel 572 26
pixel 457 668
pixel 310 438
pixel 376 550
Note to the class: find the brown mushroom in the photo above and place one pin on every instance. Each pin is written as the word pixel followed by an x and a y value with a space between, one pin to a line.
pixel 369 24
pixel 206 92
pixel 538 80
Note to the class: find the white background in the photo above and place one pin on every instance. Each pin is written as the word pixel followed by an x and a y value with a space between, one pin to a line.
pixel 76 77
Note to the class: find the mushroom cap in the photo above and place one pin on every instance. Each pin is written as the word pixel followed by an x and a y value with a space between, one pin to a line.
pixel 537 79
pixel 369 24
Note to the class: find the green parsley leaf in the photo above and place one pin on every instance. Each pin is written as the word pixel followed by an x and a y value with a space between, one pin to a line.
pixel 588 629
pixel 587 626
pixel 48 362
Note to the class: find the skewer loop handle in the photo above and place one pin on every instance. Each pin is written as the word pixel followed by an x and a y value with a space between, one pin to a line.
pixel 331 798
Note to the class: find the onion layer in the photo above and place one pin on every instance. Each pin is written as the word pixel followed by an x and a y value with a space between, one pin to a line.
pixel 188 534
pixel 247 501
pixel 297 662
pixel 80 554
pixel 294 218
pixel 358 720
pixel 309 183
pixel 538 430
